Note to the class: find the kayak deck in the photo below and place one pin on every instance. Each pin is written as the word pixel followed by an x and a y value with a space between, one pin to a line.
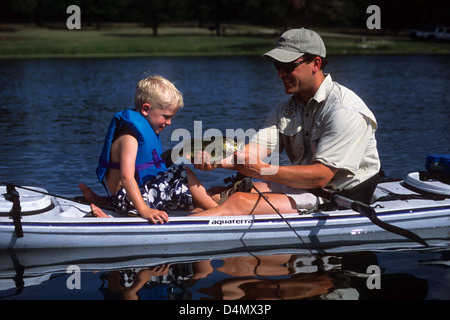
pixel 68 224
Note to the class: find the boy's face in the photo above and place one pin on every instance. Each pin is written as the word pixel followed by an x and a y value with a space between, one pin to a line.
pixel 158 118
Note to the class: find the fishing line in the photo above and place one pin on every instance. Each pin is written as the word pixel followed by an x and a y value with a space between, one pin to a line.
pixel 235 179
pixel 283 218
pixel 319 260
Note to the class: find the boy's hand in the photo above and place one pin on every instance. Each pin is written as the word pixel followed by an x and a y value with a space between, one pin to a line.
pixel 155 216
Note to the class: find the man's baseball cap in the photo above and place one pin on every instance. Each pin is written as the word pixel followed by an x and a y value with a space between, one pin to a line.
pixel 295 43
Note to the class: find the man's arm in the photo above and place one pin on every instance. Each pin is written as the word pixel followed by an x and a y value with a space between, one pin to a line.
pixel 316 175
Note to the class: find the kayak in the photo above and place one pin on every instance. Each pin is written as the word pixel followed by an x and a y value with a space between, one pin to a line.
pixel 38 220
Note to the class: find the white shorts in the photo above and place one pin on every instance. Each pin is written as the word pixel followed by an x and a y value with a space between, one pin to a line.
pixel 303 199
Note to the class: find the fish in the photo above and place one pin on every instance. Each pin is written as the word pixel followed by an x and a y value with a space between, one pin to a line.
pixel 218 148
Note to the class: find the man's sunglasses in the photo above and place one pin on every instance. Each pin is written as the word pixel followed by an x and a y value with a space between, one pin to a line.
pixel 287 67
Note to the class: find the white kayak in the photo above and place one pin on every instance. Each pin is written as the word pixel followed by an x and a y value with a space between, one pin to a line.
pixel 49 221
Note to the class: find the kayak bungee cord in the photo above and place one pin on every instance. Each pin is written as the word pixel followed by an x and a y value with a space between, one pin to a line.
pixel 369 212
pixel 13 196
pixel 357 206
pixel 77 200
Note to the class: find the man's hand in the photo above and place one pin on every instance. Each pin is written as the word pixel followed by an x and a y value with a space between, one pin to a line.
pixel 249 164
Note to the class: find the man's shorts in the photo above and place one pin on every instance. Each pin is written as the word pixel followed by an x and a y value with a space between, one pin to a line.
pixel 303 199
pixel 168 191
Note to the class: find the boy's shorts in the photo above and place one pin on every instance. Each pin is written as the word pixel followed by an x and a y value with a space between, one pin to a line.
pixel 168 191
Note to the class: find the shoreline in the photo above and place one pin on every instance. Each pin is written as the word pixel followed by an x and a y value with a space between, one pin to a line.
pixel 25 42
pixel 173 55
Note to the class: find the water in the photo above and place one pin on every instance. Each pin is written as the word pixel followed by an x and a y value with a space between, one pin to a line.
pixel 55 113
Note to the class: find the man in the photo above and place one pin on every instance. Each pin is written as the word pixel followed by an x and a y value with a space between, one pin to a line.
pixel 326 129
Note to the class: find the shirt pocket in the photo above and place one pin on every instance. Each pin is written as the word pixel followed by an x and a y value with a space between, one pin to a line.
pixel 294 147
pixel 290 126
pixel 316 133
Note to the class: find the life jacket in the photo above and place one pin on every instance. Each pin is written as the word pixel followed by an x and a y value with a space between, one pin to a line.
pixel 148 158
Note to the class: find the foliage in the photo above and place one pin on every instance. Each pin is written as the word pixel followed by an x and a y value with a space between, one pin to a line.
pixel 395 14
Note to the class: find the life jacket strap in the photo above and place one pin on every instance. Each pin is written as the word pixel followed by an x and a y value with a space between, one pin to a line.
pixel 157 162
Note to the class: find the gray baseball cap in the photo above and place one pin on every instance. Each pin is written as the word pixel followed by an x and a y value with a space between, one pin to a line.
pixel 296 42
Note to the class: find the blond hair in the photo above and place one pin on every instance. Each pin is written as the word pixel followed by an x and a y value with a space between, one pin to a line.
pixel 159 92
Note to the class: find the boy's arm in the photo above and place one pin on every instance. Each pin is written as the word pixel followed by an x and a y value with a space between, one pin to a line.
pixel 128 147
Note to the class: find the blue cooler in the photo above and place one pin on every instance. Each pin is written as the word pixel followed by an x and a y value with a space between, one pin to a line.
pixel 439 165
pixel 435 180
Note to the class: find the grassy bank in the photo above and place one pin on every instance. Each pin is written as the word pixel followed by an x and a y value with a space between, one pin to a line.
pixel 129 41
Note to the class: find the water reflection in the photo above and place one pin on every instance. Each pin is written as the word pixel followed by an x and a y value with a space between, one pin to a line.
pixel 239 276
pixel 275 277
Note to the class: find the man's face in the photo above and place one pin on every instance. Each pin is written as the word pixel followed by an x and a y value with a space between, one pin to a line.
pixel 296 75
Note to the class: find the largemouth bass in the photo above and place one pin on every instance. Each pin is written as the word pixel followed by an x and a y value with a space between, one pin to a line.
pixel 218 148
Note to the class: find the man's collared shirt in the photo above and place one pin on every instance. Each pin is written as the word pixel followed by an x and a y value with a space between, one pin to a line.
pixel 335 128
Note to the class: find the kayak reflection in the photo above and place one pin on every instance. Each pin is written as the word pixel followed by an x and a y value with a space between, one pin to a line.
pixel 271 275
pixel 268 277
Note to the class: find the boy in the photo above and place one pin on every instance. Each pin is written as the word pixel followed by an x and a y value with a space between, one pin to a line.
pixel 130 166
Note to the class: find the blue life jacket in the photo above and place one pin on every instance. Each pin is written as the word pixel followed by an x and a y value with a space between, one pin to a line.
pixel 148 159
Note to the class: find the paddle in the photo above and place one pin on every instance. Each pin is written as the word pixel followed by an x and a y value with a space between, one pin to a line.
pixel 367 211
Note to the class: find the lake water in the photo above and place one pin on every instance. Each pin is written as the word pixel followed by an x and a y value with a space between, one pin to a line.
pixel 55 114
